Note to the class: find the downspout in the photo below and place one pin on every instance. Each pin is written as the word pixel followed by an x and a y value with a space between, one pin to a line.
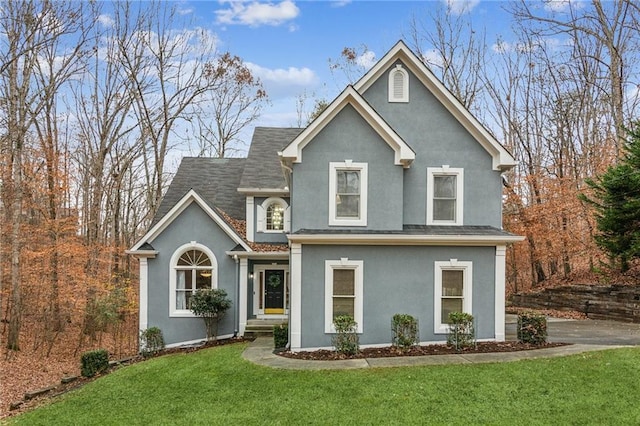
pixel 237 314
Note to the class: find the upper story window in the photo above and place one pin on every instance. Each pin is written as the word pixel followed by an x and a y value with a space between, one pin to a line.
pixel 347 193
pixel 452 291
pixel 398 84
pixel 273 215
pixel 445 187
pixel 193 266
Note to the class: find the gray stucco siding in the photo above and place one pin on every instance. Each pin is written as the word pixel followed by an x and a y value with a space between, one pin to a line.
pixel 347 137
pixel 439 139
pixel 193 224
pixel 397 279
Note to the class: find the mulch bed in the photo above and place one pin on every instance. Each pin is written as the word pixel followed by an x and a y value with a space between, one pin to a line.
pixel 437 349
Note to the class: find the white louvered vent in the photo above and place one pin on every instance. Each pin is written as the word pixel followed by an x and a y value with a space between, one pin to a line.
pixel 398 85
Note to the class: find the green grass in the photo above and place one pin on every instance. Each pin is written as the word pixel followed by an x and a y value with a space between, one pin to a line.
pixel 216 386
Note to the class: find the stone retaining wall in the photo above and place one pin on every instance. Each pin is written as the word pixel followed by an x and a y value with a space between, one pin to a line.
pixel 615 302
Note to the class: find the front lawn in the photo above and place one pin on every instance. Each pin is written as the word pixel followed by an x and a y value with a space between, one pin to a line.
pixel 216 386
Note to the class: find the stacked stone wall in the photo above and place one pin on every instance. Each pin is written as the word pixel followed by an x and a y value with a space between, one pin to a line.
pixel 615 302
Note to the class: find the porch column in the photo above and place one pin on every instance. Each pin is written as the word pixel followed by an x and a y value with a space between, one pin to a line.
pixel 500 268
pixel 144 294
pixel 242 307
pixel 250 218
pixel 295 295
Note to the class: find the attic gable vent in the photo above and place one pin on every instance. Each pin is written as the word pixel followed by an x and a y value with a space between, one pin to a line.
pixel 398 84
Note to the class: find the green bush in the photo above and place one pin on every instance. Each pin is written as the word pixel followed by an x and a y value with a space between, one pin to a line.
pixel 405 331
pixel 211 304
pixel 346 339
pixel 461 330
pixel 94 362
pixel 151 341
pixel 532 328
pixel 280 335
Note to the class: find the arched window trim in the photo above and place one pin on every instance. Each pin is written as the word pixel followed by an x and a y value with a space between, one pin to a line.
pixel 173 268
pixel 404 96
pixel 262 215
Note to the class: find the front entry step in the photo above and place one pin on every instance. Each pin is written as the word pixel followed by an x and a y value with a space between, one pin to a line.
pixel 262 327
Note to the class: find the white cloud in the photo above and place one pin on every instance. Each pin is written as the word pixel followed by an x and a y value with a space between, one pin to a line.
pixel 340 3
pixel 433 58
pixel 460 7
pixel 185 11
pixel 106 21
pixel 561 6
pixel 367 59
pixel 256 13
pixel 284 82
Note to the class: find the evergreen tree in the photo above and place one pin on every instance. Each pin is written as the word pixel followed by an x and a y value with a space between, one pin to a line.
pixel 616 199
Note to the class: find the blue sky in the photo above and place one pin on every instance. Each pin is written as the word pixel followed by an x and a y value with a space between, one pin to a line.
pixel 288 43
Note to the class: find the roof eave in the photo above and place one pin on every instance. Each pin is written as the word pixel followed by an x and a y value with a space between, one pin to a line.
pixel 396 239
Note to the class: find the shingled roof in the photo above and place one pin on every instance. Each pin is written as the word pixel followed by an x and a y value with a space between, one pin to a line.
pixel 263 170
pixel 216 180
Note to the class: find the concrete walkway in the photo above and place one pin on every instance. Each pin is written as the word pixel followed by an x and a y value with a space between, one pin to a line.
pixel 585 336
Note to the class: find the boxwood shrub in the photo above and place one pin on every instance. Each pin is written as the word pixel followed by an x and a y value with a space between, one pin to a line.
pixel 94 362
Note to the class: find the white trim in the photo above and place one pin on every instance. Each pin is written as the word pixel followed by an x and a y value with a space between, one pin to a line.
pixel 262 215
pixel 190 197
pixel 446 171
pixel 250 217
pixel 467 290
pixel 403 156
pixel 193 245
pixel 269 192
pixel 329 267
pixel 500 269
pixel 295 301
pixel 144 294
pixel 502 159
pixel 404 96
pixel 404 239
pixel 256 287
pixel 242 296
pixel 348 165
pixel 142 253
pixel 274 255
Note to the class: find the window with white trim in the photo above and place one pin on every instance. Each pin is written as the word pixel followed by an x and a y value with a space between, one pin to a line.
pixel 348 193
pixel 343 291
pixel 445 195
pixel 273 216
pixel 453 291
pixel 398 84
pixel 193 266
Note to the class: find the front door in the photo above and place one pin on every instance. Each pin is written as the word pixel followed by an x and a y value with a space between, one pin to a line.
pixel 274 287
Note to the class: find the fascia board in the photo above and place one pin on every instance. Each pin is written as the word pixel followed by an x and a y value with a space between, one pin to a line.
pixel 404 155
pixel 394 239
pixel 502 160
pixel 142 253
pixel 264 191
pixel 179 207
pixel 276 255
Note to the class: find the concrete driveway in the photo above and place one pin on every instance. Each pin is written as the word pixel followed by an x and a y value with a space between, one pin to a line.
pixel 586 332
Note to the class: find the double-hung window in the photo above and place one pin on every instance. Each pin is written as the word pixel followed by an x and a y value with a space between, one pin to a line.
pixel 452 291
pixel 445 187
pixel 347 193
pixel 343 291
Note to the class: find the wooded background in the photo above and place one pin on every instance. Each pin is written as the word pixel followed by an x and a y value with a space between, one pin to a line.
pixel 91 111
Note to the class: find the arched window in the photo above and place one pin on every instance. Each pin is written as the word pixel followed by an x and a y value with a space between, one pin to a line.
pixel 275 217
pixel 398 84
pixel 193 267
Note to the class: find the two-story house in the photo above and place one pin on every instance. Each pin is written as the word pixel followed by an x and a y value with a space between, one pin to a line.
pixel 388 202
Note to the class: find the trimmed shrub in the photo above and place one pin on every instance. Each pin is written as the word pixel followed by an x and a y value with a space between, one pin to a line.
pixel 211 304
pixel 405 331
pixel 346 340
pixel 461 330
pixel 280 335
pixel 532 328
pixel 94 362
pixel 151 341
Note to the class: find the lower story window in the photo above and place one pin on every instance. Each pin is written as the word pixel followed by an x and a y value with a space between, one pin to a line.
pixel 193 267
pixel 452 291
pixel 343 291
